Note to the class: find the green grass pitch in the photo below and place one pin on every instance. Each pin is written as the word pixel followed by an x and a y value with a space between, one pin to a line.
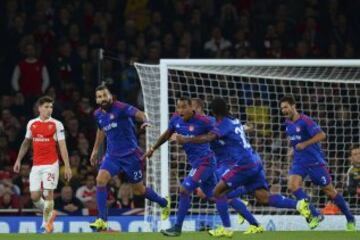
pixel 306 235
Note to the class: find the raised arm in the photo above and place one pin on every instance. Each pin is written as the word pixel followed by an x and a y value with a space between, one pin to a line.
pixel 99 139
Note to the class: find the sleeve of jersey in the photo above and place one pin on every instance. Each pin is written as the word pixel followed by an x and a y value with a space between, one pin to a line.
pixel 171 126
pixel 28 133
pixel 220 130
pixel 312 127
pixel 60 131
pixel 130 110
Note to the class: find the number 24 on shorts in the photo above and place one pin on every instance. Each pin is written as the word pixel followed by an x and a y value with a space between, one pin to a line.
pixel 51 177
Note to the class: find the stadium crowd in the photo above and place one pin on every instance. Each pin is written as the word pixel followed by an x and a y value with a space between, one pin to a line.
pixel 51 47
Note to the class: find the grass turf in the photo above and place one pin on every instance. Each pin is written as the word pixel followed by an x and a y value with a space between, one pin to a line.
pixel 306 235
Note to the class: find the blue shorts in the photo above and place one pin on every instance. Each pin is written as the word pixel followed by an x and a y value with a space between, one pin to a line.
pixel 203 176
pixel 250 178
pixel 222 169
pixel 131 165
pixel 319 174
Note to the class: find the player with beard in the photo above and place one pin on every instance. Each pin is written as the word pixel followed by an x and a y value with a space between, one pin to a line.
pixel 115 122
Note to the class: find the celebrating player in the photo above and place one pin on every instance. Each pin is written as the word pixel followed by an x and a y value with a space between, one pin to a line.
pixel 248 171
pixel 223 163
pixel 305 136
pixel 201 158
pixel 114 121
pixel 44 132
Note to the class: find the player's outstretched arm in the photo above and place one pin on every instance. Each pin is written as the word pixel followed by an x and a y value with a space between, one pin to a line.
pixel 315 139
pixel 23 150
pixel 99 139
pixel 65 158
pixel 163 138
pixel 209 137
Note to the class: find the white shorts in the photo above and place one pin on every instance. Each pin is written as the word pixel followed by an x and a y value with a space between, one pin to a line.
pixel 48 175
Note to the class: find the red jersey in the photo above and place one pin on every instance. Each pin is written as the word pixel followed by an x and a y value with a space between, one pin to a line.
pixel 44 136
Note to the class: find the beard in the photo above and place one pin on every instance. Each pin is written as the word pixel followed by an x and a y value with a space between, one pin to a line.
pixel 105 105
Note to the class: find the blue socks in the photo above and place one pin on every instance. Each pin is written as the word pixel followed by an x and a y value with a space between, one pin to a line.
pixel 240 207
pixel 340 202
pixel 279 201
pixel 300 194
pixel 154 197
pixel 101 197
pixel 184 205
pixel 222 207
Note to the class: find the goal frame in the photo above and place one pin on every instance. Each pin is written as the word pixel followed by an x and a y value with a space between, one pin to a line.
pixel 181 64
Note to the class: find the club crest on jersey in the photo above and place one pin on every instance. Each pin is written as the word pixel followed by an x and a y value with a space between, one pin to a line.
pixel 297 129
pixel 112 116
pixel 191 128
pixel 50 126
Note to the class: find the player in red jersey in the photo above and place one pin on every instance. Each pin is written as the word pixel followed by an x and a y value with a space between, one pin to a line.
pixel 45 133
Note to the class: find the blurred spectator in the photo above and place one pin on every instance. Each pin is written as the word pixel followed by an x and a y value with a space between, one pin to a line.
pixel 353 174
pixel 7 155
pixel 125 196
pixel 216 44
pixel 9 201
pixel 87 192
pixel 30 76
pixel 68 203
pixel 22 181
pixel 7 185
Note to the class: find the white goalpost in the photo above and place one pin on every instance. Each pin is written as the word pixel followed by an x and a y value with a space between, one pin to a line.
pixel 327 90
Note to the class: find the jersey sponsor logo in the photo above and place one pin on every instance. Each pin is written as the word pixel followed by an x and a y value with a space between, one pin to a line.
pixel 191 128
pixel 177 125
pixel 110 126
pixel 41 139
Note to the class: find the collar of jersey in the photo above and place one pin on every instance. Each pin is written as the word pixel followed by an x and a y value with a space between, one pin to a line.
pixel 47 120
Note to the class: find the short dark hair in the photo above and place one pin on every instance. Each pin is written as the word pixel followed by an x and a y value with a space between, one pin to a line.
pixel 289 99
pixel 45 99
pixel 219 107
pixel 101 87
pixel 185 98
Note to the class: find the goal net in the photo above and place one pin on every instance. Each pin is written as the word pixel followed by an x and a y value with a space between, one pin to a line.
pixel 328 91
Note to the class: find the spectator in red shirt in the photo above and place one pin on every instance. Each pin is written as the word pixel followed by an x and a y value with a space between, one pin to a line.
pixel 30 76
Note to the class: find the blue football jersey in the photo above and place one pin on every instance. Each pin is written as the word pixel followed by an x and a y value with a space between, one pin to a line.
pixel 232 147
pixel 119 128
pixel 300 131
pixel 195 126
